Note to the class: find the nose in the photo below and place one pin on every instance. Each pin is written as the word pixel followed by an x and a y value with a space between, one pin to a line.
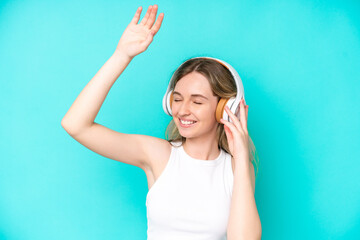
pixel 184 108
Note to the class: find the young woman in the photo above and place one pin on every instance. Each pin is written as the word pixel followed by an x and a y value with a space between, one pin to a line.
pixel 204 175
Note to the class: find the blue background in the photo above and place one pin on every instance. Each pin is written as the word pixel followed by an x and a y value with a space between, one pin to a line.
pixel 299 62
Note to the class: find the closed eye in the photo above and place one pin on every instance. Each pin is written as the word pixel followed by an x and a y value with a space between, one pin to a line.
pixel 194 102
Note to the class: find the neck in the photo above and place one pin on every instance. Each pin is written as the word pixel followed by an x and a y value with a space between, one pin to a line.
pixel 202 149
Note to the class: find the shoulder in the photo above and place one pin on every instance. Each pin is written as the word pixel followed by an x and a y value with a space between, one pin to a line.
pixel 157 150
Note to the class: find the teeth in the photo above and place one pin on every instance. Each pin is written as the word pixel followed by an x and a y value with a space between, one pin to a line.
pixel 186 122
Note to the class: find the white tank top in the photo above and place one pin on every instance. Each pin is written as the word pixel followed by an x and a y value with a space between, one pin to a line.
pixel 191 198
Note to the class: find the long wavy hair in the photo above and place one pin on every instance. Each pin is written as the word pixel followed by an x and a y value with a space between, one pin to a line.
pixel 222 85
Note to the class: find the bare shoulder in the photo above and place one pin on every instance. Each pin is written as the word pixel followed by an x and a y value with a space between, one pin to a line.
pixel 158 151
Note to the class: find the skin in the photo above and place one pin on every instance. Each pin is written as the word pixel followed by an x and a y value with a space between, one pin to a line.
pixel 244 220
pixel 237 133
pixel 201 142
pixel 138 36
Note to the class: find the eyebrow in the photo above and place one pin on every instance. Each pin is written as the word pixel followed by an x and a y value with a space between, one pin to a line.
pixel 192 95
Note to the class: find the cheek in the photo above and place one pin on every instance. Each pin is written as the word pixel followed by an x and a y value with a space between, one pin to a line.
pixel 174 109
pixel 207 114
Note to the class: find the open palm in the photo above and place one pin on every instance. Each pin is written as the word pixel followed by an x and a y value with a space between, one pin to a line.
pixel 137 37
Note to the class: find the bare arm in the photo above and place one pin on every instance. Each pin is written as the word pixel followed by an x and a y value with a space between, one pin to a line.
pixel 244 220
pixel 79 122
pixel 83 111
pixel 135 39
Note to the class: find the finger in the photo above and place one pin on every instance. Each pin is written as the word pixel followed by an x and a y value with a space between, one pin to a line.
pixel 144 20
pixel 233 118
pixel 237 112
pixel 247 109
pixel 151 19
pixel 157 24
pixel 228 133
pixel 243 116
pixel 136 18
pixel 233 129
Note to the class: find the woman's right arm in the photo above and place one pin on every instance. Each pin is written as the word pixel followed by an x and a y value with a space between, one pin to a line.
pixel 86 106
pixel 79 120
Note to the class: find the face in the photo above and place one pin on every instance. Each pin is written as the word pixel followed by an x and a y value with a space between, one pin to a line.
pixel 194 102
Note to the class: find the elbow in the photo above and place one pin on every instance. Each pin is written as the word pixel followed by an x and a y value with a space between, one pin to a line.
pixel 245 237
pixel 257 236
pixel 248 237
pixel 63 124
pixel 67 127
pixel 254 234
pixel 75 129
pixel 257 231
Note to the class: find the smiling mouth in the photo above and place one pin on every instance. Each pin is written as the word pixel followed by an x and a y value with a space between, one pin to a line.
pixel 186 123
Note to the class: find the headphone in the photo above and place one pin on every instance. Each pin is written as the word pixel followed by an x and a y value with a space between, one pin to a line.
pixel 233 102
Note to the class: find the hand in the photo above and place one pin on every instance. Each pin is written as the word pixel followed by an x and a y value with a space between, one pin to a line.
pixel 137 37
pixel 237 133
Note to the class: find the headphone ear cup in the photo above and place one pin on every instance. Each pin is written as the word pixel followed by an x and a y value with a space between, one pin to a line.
pixel 171 100
pixel 167 102
pixel 232 106
pixel 220 109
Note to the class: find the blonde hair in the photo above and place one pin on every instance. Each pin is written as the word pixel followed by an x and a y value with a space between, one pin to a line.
pixel 222 85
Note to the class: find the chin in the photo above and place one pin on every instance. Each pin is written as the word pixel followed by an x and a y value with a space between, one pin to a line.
pixel 187 133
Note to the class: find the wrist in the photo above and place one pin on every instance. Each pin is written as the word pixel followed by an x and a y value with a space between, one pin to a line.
pixel 122 56
pixel 245 158
pixel 243 162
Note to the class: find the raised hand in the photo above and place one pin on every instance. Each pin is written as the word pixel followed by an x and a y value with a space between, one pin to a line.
pixel 237 133
pixel 137 37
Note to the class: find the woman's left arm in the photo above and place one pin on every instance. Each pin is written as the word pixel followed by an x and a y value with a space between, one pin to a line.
pixel 244 221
